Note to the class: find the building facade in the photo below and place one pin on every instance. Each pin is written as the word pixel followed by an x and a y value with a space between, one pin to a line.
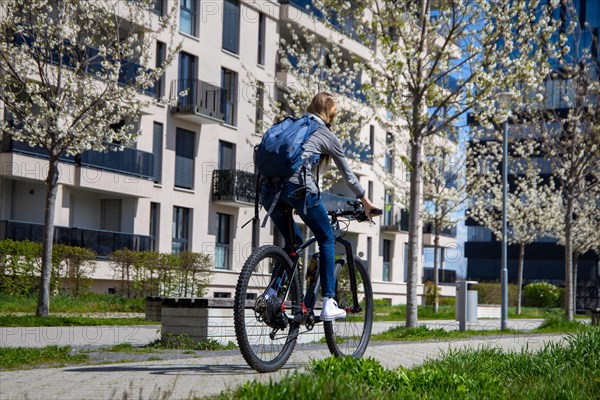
pixel 188 183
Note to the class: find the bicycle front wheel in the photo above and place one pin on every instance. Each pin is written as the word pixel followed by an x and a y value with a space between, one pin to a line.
pixel 267 293
pixel 350 336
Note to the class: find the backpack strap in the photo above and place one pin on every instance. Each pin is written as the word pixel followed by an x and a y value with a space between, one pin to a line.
pixel 273 204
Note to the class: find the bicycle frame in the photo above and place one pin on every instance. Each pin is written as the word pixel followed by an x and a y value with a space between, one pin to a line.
pixel 352 271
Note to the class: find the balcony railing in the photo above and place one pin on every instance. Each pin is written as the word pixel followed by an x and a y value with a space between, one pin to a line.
pixel 347 26
pixel 235 186
pixel 336 202
pixel 69 55
pixel 357 151
pixel 199 98
pixel 444 275
pixel 396 222
pixel 428 229
pixel 128 161
pixel 102 242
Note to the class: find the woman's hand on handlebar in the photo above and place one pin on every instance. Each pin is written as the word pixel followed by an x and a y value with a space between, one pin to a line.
pixel 370 208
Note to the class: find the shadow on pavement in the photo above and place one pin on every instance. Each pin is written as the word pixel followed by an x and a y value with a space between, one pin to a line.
pixel 180 369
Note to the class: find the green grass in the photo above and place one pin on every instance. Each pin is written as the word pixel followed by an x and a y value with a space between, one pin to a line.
pixel 422 333
pixel 16 357
pixel 53 320
pixel 183 342
pixel 553 323
pixel 566 372
pixel 386 312
pixel 91 303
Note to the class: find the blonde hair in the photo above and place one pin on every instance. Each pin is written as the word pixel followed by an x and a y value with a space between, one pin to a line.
pixel 323 105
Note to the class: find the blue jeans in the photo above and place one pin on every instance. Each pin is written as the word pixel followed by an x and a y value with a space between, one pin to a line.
pixel 296 197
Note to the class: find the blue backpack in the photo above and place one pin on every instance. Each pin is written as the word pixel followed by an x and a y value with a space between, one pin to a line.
pixel 279 154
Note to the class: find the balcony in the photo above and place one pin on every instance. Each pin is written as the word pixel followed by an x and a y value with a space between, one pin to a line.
pixel 129 161
pixel 102 242
pixel 356 151
pixel 233 187
pixel 446 276
pixel 201 104
pixel 336 202
pixel 397 223
pixel 449 232
pixel 345 26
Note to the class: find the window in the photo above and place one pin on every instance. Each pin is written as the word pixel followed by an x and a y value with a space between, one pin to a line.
pixel 405 262
pixel 159 86
pixel 260 105
pixel 228 95
pixel 110 215
pixel 372 139
pixel 389 153
pixel 388 212
pixel 369 253
pixel 159 7
pixel 157 148
pixel 231 26
pixel 226 155
pixel 187 16
pixel 181 229
pixel 222 259
pixel 387 260
pixel 261 39
pixel 370 190
pixel 154 221
pixel 184 159
pixel 187 78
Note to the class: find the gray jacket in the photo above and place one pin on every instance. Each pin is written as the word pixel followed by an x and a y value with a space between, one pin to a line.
pixel 323 141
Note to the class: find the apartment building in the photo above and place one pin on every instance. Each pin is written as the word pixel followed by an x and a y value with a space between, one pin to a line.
pixel 188 183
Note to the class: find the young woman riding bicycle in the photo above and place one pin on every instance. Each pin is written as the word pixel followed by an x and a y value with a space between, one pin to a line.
pixel 300 193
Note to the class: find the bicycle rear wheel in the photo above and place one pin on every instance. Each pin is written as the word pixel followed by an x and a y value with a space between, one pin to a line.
pixel 265 334
pixel 350 336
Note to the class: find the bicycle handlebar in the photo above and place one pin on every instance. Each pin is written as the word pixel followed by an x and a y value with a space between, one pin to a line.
pixel 357 213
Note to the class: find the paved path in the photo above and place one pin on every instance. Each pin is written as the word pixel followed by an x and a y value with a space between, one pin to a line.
pixel 94 336
pixel 182 379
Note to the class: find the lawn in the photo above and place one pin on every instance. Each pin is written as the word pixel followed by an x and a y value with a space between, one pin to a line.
pixel 17 357
pixel 386 312
pixel 54 320
pixel 91 303
pixel 571 371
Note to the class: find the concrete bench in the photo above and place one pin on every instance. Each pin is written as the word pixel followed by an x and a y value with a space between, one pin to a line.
pixel 202 319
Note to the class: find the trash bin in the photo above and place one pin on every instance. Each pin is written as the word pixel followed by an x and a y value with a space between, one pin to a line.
pixel 466 303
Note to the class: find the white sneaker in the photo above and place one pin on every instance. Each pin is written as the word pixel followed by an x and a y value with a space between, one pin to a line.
pixel 331 311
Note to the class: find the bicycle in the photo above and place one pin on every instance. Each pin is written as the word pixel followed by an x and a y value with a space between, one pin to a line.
pixel 270 306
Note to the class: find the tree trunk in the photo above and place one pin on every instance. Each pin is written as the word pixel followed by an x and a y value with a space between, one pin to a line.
pixel 569 314
pixel 575 265
pixel 520 276
pixel 43 307
pixel 414 227
pixel 436 272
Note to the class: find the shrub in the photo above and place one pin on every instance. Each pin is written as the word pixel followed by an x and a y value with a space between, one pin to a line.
pixel 73 267
pixel 20 266
pixel 432 292
pixel 490 293
pixel 541 294
pixel 146 273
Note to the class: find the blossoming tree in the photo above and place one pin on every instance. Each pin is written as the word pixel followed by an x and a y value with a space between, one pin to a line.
pixel 425 67
pixel 530 202
pixel 72 78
